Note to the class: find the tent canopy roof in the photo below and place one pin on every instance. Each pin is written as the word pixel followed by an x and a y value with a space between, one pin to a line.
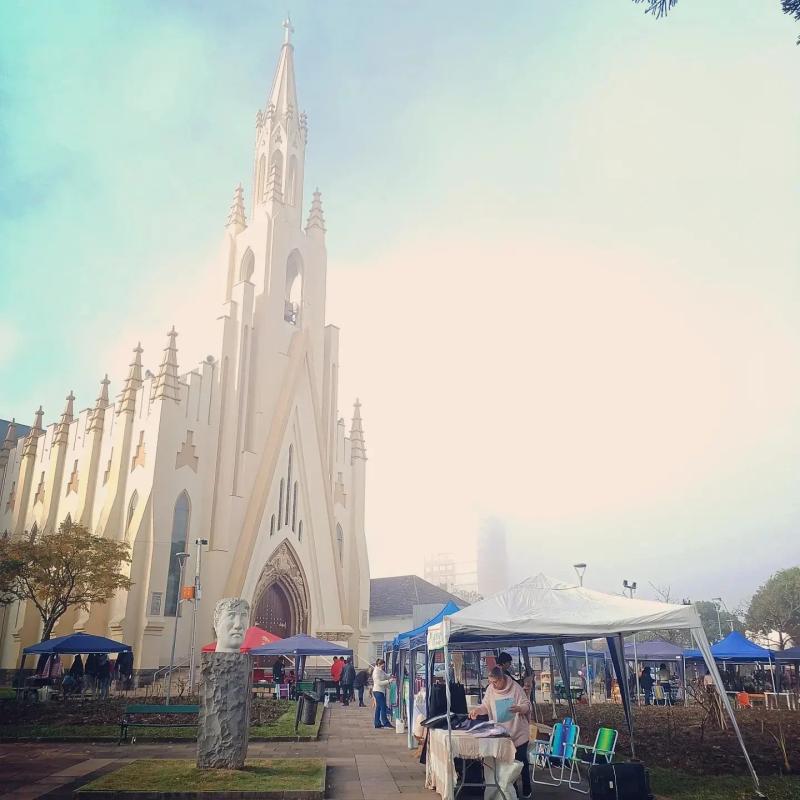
pixel 735 647
pixel 654 650
pixel 301 645
pixel 792 654
pixel 403 639
pixel 253 637
pixel 545 609
pixel 75 643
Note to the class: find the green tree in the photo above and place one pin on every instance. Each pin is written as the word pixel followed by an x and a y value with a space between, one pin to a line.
pixel 775 608
pixel 61 570
pixel 660 8
pixel 727 620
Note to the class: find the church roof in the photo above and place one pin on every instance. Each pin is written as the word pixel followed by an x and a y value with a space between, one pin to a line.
pixel 22 430
pixel 397 596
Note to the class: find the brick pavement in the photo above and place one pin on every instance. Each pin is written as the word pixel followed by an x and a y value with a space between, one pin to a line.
pixel 363 763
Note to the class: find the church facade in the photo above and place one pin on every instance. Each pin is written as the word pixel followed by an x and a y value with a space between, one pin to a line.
pixel 246 451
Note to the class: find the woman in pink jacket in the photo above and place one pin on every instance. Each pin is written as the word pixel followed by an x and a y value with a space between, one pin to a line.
pixel 507 704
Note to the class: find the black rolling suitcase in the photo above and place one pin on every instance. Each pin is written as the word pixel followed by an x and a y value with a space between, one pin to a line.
pixel 619 782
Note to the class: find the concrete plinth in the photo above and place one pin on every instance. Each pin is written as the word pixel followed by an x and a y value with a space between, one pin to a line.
pixel 224 724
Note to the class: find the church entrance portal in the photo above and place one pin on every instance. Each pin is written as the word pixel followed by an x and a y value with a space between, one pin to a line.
pixel 281 597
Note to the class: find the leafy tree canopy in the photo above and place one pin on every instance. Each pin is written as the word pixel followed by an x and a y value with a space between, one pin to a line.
pixel 61 570
pixel 775 609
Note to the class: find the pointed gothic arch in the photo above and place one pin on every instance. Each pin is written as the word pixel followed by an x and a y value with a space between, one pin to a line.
pixel 291 181
pixel 340 543
pixel 134 501
pixel 67 523
pixel 293 300
pixel 248 265
pixel 281 602
pixel 180 534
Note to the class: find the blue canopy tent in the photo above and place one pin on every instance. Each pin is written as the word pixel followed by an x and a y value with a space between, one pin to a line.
pixel 403 641
pixel 300 647
pixel 792 654
pixel 76 643
pixel 737 648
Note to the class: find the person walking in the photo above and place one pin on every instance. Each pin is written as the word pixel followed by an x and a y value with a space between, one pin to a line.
pixel 646 685
pixel 507 704
pixel 360 683
pixel 380 682
pixel 347 679
pixel 336 675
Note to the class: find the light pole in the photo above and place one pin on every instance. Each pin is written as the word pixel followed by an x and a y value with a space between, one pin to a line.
pixel 197 563
pixel 717 601
pixel 181 561
pixel 580 569
pixel 631 588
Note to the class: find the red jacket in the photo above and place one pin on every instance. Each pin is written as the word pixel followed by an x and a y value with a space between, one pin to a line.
pixel 336 669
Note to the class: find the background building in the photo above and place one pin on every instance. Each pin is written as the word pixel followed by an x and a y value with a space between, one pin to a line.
pixel 401 603
pixel 492 557
pixel 457 577
pixel 246 449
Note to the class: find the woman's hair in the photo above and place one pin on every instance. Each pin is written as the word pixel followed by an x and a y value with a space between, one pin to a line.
pixel 496 672
pixel 379 662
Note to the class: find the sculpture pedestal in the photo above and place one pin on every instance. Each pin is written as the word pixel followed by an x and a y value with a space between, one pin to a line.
pixel 224 724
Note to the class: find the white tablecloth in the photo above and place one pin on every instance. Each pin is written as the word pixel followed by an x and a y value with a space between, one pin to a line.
pixel 440 773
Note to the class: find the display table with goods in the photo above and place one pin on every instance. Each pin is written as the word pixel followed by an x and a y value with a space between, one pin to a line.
pixel 500 769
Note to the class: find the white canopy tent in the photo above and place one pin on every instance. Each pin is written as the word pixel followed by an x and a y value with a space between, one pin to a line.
pixel 543 610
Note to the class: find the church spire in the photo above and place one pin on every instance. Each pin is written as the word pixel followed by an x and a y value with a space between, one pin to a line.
pixel 29 447
pixel 98 413
pixel 127 398
pixel 236 217
pixel 283 95
pixel 165 385
pixel 357 447
pixel 316 219
pixel 9 443
pixel 62 429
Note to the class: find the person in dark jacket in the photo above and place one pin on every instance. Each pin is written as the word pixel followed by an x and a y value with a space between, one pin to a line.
pixel 646 685
pixel 347 679
pixel 360 683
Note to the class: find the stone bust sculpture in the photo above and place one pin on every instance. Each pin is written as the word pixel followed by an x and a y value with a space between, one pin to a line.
pixel 231 616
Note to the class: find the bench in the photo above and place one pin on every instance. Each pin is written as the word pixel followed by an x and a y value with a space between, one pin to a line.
pixel 144 709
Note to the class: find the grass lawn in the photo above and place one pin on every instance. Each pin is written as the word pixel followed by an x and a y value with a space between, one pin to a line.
pixel 283 727
pixel 682 786
pixel 7 693
pixel 297 774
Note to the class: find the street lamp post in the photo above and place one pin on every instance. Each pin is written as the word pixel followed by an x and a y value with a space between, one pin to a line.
pixel 580 570
pixel 631 586
pixel 197 593
pixel 181 561
pixel 717 601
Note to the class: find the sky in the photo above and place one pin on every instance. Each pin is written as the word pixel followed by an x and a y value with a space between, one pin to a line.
pixel 563 251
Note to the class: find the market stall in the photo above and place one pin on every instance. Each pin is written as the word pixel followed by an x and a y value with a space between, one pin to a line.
pixel 543 610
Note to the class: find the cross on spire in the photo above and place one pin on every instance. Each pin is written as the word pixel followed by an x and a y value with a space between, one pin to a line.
pixel 288 30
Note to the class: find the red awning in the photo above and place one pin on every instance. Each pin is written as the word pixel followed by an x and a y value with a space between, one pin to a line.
pixel 254 637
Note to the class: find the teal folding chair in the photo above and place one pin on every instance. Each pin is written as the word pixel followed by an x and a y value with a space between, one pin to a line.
pixel 557 755
pixel 601 752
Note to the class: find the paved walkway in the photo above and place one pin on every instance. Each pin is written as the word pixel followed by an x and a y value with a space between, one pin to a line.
pixel 363 763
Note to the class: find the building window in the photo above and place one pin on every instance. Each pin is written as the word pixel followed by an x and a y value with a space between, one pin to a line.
pixel 294 507
pixel 288 485
pixel 340 544
pixel 280 506
pixel 272 526
pixel 380 648
pixel 180 533
pixel 131 509
pixel 155 603
pixel 300 532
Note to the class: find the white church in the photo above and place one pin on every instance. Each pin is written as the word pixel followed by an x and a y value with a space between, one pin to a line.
pixel 247 450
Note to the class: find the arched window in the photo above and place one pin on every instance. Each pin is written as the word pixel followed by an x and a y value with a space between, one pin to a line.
pixel 34 533
pixel 272 526
pixel 248 265
pixel 180 533
pixel 340 543
pixel 67 523
pixel 300 532
pixel 294 287
pixel 262 168
pixel 288 484
pixel 129 518
pixel 280 506
pixel 294 506
pixel 276 168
